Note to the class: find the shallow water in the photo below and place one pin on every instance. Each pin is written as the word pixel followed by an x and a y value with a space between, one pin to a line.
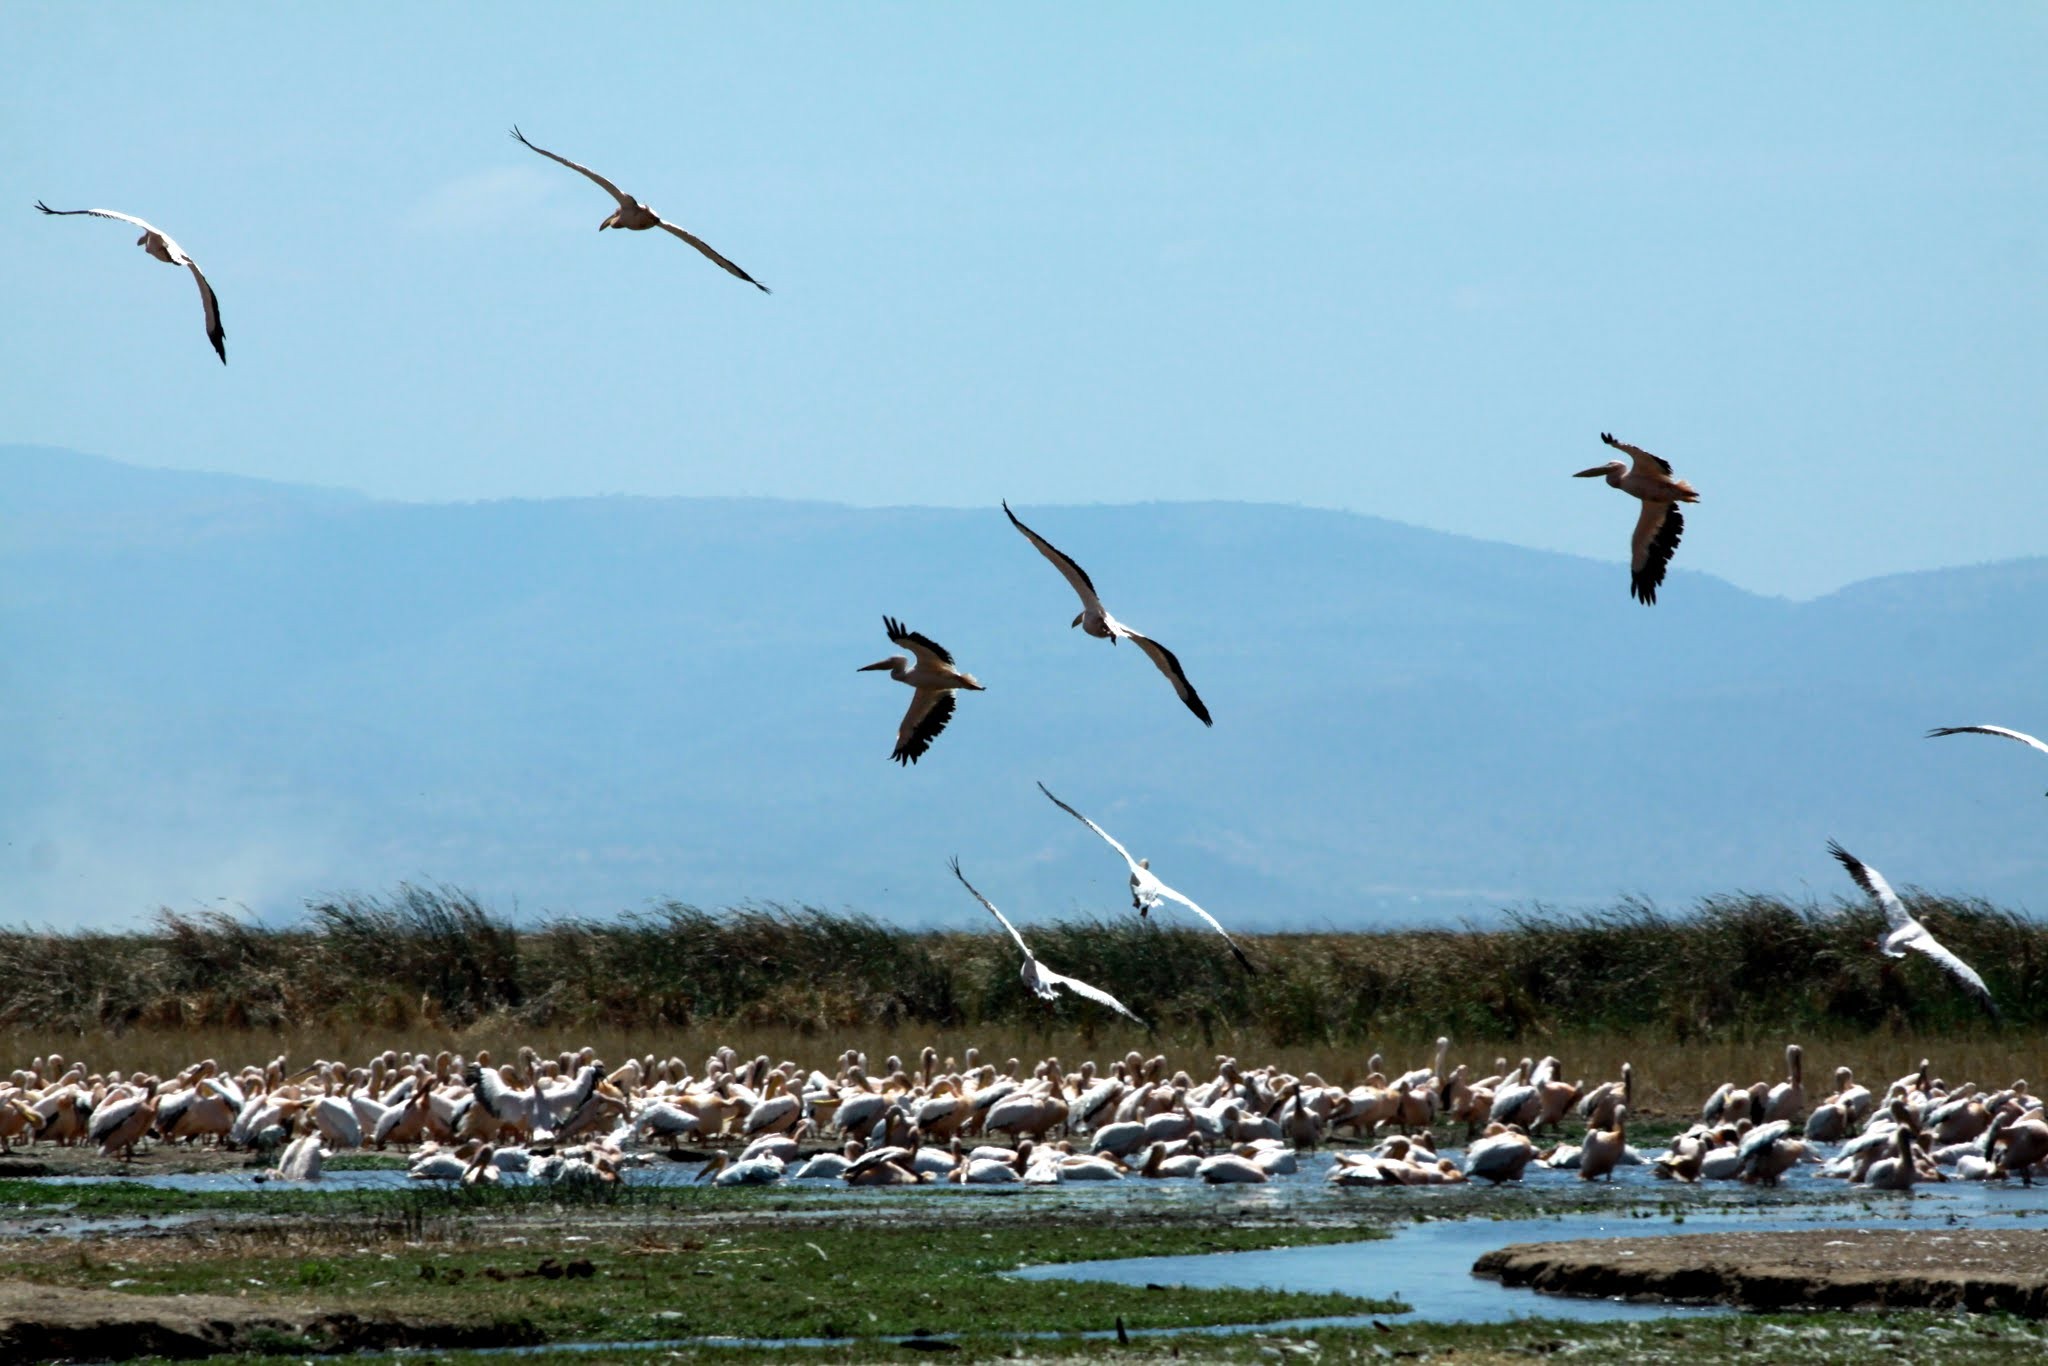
pixel 1428 1265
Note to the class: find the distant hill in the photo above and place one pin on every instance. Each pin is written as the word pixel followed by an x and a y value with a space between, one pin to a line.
pixel 224 688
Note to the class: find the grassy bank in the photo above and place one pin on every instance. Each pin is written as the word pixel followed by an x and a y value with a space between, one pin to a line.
pixel 426 961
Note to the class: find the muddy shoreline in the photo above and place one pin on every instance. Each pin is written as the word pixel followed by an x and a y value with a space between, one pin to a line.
pixel 1982 1270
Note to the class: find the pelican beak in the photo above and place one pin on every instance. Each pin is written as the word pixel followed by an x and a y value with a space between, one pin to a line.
pixel 880 664
pixel 1593 473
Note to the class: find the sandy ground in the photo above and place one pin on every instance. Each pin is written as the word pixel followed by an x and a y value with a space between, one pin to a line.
pixel 152 1159
pixel 53 1323
pixel 1979 1269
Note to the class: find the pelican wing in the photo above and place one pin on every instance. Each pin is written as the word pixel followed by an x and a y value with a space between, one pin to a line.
pixel 215 333
pixel 1081 988
pixel 700 244
pixel 923 646
pixel 1075 575
pixel 1914 936
pixel 1644 462
pixel 1871 881
pixel 1169 664
pixel 1214 923
pixel 990 907
pixel 106 213
pixel 1657 531
pixel 2000 731
pixel 625 200
pixel 1107 837
pixel 930 710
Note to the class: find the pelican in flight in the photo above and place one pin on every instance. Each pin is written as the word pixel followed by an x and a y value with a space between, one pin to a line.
pixel 159 245
pixel 1906 932
pixel 1096 620
pixel 1043 981
pixel 637 217
pixel 2000 731
pixel 1146 889
pixel 935 679
pixel 1660 525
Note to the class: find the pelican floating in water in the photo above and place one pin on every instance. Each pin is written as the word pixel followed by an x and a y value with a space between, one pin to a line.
pixel 2002 732
pixel 637 217
pixel 1095 619
pixel 935 679
pixel 158 244
pixel 1660 524
pixel 1043 981
pixel 1146 889
pixel 1908 933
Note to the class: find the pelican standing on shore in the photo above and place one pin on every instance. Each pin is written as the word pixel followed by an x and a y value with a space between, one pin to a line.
pixel 1146 889
pixel 1658 527
pixel 1095 619
pixel 158 244
pixel 935 680
pixel 1043 981
pixel 634 216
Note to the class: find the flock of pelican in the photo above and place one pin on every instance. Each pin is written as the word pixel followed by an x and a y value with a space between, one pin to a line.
pixel 572 1119
pixel 934 678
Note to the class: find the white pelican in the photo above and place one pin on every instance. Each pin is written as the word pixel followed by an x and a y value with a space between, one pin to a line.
pixel 1908 933
pixel 159 245
pixel 1043 981
pixel 637 217
pixel 1146 889
pixel 1095 619
pixel 1660 524
pixel 2002 732
pixel 935 680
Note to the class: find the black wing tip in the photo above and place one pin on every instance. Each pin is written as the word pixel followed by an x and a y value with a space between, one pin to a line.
pixel 1195 706
pixel 44 207
pixel 1241 958
pixel 1608 437
pixel 1948 730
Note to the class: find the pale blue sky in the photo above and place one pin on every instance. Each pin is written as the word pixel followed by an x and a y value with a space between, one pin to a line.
pixel 1402 260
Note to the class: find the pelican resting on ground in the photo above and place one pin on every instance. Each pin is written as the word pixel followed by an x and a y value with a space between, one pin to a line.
pixel 1043 981
pixel 2002 732
pixel 159 245
pixel 637 217
pixel 935 679
pixel 1908 933
pixel 1660 523
pixel 1095 619
pixel 1146 889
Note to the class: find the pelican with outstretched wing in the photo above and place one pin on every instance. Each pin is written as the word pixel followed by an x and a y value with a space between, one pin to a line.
pixel 935 680
pixel 1096 620
pixel 2002 732
pixel 159 244
pixel 634 216
pixel 1659 525
pixel 1908 933
pixel 1147 890
pixel 1043 981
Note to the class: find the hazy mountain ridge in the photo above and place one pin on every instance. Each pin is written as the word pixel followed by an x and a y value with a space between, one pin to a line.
pixel 241 689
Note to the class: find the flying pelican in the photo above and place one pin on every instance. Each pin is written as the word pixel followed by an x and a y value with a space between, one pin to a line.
pixel 1661 523
pixel 1043 981
pixel 159 245
pixel 1146 889
pixel 935 679
pixel 1095 619
pixel 2000 731
pixel 634 215
pixel 1906 932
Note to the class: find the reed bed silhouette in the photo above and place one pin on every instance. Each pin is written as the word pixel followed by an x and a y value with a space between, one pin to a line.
pixel 1720 985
